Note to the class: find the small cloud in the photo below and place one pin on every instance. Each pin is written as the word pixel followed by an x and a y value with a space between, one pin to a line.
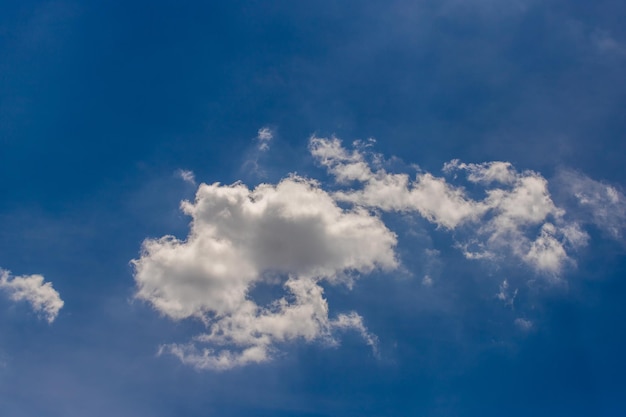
pixel 354 321
pixel 264 136
pixel 427 281
pixel 254 156
pixel 432 266
pixel 606 44
pixel 505 295
pixel 187 176
pixel 524 324
pixel 42 297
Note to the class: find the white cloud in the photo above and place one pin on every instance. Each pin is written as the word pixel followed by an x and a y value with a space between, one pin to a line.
pixel 240 238
pixel 506 220
pixel 264 137
pixel 524 324
pixel 187 176
pixel 505 295
pixel 486 173
pixel 43 298
pixel 601 204
pixel 345 166
pixel 546 252
pixel 432 197
pixel 254 156
pixel 295 237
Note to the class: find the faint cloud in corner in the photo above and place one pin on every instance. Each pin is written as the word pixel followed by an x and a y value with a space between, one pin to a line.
pixel 605 43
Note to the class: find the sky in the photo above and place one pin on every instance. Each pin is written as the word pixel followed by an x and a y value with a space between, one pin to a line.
pixel 355 208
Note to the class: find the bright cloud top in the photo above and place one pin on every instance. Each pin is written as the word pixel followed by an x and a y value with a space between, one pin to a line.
pixel 43 298
pixel 516 216
pixel 241 238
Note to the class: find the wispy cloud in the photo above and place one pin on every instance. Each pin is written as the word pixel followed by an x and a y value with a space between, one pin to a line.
pixel 599 203
pixel 264 137
pixel 524 324
pixel 187 176
pixel 506 295
pixel 255 155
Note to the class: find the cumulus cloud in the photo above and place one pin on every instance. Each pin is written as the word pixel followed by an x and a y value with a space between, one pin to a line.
pixel 516 214
pixel 241 238
pixel 432 197
pixel 43 298
pixel 295 238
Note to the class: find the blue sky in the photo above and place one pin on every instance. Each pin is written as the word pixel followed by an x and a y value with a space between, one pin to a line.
pixel 420 208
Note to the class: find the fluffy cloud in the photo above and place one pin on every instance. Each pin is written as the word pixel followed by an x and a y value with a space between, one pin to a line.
pixel 517 215
pixel 432 197
pixel 42 297
pixel 241 238
pixel 294 238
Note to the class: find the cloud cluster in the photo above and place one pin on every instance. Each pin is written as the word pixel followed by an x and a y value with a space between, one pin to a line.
pixel 294 237
pixel 292 233
pixel 516 215
pixel 43 298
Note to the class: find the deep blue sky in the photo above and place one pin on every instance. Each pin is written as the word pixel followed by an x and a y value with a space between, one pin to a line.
pixel 102 102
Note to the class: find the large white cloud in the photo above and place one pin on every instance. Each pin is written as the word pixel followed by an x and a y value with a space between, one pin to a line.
pixel 43 298
pixel 295 236
pixel 241 238
pixel 516 215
